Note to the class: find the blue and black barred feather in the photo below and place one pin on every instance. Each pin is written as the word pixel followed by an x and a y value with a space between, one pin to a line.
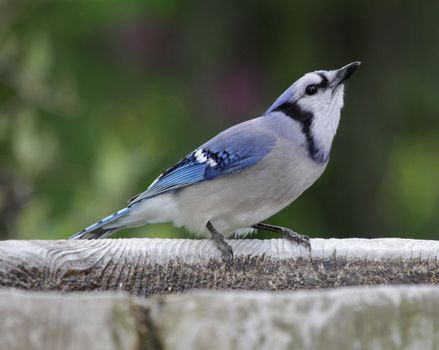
pixel 227 153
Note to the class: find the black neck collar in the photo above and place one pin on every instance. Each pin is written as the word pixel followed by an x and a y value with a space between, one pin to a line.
pixel 294 111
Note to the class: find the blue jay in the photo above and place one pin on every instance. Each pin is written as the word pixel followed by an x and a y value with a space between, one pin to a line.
pixel 247 173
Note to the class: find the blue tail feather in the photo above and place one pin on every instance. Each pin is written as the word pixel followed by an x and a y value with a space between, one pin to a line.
pixel 98 230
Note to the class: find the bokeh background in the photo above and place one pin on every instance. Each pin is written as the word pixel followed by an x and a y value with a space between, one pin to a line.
pixel 98 97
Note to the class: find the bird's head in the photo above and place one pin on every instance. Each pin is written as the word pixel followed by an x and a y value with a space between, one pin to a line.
pixel 315 101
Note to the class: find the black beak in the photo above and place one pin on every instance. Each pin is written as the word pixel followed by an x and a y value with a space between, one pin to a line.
pixel 344 73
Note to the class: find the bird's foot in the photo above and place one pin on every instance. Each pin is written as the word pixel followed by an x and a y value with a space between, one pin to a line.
pixel 296 238
pixel 225 248
pixel 221 244
pixel 287 233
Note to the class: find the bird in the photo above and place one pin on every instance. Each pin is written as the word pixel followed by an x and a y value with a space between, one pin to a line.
pixel 244 175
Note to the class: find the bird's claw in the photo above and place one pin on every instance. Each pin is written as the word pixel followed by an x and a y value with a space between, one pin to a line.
pixel 296 238
pixel 227 255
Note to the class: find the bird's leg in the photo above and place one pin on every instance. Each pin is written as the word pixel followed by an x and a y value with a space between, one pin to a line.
pixel 220 243
pixel 286 233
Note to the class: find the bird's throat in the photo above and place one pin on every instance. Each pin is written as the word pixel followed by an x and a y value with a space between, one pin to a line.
pixel 305 118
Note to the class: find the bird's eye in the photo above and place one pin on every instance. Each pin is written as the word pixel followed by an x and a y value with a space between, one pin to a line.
pixel 311 90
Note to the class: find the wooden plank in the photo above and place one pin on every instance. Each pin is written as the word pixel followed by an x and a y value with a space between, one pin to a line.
pixel 155 266
pixel 375 318
pixel 33 321
pixel 378 318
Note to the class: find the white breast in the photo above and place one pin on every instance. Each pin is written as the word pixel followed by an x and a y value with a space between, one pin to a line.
pixel 240 200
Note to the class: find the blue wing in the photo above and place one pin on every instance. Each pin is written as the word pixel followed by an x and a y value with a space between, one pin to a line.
pixel 229 152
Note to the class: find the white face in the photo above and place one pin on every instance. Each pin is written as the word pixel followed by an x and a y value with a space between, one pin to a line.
pixel 317 93
pixel 320 94
pixel 315 101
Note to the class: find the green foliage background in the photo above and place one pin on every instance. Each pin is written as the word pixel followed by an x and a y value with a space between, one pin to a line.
pixel 98 97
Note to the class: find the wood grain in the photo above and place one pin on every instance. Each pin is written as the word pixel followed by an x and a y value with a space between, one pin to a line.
pixel 145 267
pixel 373 318
pixel 52 321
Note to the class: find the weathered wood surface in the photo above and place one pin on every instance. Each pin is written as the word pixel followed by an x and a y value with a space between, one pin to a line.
pixel 378 318
pixel 50 321
pixel 155 266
